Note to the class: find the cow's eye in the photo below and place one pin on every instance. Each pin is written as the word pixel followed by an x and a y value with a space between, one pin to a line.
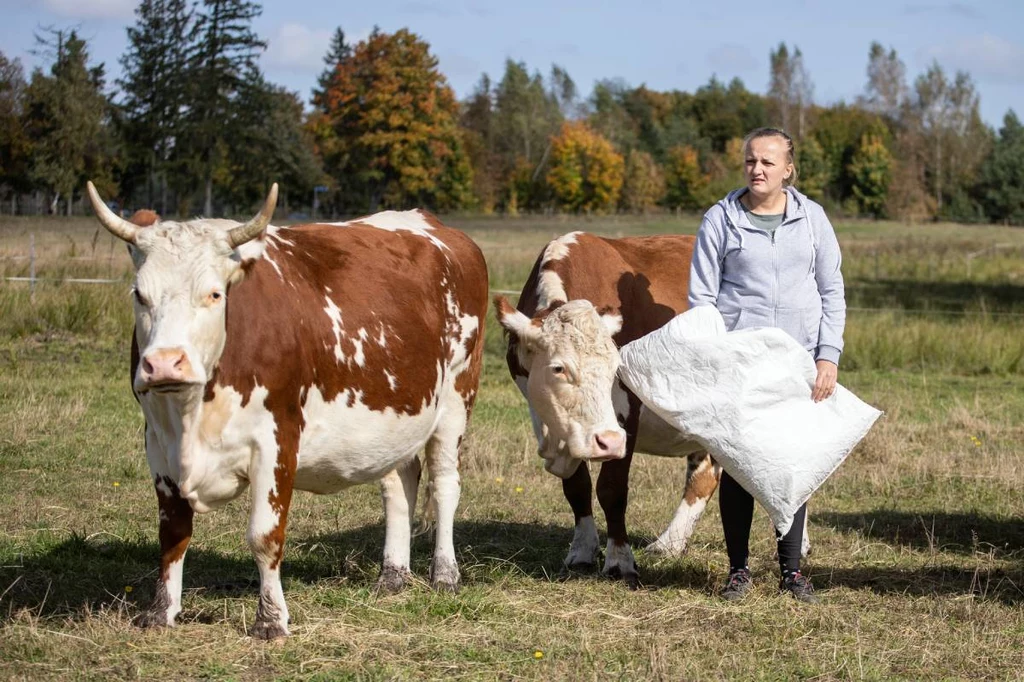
pixel 215 295
pixel 557 369
pixel 140 299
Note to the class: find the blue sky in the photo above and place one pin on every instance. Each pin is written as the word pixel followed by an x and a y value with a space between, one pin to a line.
pixel 665 44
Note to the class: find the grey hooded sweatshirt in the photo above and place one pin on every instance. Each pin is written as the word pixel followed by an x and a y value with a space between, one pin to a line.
pixel 790 279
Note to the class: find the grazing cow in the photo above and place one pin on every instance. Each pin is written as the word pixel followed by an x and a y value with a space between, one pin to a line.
pixel 587 296
pixel 313 357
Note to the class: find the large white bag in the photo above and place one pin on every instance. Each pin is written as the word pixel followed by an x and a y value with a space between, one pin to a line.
pixel 746 397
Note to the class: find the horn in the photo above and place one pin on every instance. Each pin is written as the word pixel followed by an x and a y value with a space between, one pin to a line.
pixel 119 227
pixel 243 233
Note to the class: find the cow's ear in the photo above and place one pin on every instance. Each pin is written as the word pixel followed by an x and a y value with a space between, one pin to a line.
pixel 516 323
pixel 611 322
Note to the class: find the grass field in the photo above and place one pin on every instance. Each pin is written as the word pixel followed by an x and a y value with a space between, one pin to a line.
pixel 918 538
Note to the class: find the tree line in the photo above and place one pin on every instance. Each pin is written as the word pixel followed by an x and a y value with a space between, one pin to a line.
pixel 192 125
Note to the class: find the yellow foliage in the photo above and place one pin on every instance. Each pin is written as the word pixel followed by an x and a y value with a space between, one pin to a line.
pixel 586 172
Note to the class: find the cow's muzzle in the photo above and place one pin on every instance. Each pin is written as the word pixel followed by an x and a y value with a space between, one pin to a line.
pixel 165 370
pixel 607 445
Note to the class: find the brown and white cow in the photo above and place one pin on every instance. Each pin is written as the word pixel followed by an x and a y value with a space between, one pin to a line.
pixel 587 296
pixel 312 357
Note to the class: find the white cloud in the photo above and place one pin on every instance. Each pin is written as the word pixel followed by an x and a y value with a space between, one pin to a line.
pixel 92 9
pixel 731 60
pixel 985 57
pixel 294 46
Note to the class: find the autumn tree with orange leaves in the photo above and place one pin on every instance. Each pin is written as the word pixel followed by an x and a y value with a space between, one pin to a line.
pixel 586 172
pixel 387 128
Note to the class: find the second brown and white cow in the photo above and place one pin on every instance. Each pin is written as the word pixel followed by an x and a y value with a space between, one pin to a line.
pixel 586 297
pixel 313 357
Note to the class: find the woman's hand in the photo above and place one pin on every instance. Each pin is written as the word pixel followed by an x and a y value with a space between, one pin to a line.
pixel 825 384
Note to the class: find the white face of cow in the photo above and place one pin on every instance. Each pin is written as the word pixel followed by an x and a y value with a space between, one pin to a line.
pixel 182 275
pixel 572 363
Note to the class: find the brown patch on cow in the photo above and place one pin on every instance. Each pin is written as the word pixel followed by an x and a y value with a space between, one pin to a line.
pixel 701 480
pixel 398 297
pixel 175 524
pixel 144 218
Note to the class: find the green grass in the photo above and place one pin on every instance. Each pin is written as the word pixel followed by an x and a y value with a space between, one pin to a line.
pixel 918 538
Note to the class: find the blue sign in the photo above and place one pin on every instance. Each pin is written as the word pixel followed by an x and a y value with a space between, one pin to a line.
pixel 320 188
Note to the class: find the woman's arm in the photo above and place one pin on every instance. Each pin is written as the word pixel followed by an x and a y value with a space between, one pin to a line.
pixel 829 278
pixel 706 264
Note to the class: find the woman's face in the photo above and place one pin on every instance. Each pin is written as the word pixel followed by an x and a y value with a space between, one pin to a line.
pixel 767 165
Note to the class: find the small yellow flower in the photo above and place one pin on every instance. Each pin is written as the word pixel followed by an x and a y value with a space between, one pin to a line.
pixel 117 484
pixel 499 479
pixel 127 588
pixel 538 654
pixel 519 488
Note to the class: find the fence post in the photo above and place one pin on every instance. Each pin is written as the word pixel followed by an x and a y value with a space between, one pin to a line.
pixel 32 267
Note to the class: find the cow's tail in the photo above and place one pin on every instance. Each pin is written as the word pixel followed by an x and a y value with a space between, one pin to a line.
pixel 426 516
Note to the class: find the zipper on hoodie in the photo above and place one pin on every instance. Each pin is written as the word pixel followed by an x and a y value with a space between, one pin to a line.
pixel 775 280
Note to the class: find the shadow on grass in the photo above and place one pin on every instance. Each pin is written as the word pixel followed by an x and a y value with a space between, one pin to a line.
pixel 935 296
pixel 940 531
pixel 996 585
pixel 77 576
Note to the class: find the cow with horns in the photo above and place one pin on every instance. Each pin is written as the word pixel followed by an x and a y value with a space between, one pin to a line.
pixel 313 357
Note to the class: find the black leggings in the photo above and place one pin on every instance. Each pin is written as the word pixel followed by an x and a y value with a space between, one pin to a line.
pixel 737 508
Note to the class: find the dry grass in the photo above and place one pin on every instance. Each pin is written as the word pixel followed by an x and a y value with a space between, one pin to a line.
pixel 918 538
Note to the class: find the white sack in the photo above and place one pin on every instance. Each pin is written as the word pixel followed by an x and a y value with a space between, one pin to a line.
pixel 746 397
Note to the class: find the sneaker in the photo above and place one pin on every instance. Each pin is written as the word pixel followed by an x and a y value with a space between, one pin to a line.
pixel 737 586
pixel 799 586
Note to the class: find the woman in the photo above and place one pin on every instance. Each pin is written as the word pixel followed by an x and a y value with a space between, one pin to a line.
pixel 767 256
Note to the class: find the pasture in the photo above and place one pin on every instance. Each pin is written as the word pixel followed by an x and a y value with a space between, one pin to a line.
pixel 918 538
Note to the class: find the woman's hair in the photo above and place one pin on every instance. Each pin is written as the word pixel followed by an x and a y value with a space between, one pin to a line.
pixel 775 132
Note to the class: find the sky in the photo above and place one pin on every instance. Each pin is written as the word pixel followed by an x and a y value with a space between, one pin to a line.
pixel 664 44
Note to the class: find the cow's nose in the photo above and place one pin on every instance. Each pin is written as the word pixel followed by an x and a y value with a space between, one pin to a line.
pixel 610 444
pixel 166 366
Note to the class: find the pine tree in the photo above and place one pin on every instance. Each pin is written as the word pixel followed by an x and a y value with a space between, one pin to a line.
pixel 65 118
pixel 14 143
pixel 1001 180
pixel 338 53
pixel 155 85
pixel 223 52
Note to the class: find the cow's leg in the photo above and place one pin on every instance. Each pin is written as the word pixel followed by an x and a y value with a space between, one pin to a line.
pixel 271 477
pixel 445 488
pixel 702 474
pixel 399 490
pixel 579 492
pixel 613 494
pixel 175 533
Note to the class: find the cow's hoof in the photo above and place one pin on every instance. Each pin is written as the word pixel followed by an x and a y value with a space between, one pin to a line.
pixel 444 576
pixel 631 578
pixel 445 586
pixel 268 630
pixel 666 550
pixel 393 580
pixel 581 567
pixel 152 618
